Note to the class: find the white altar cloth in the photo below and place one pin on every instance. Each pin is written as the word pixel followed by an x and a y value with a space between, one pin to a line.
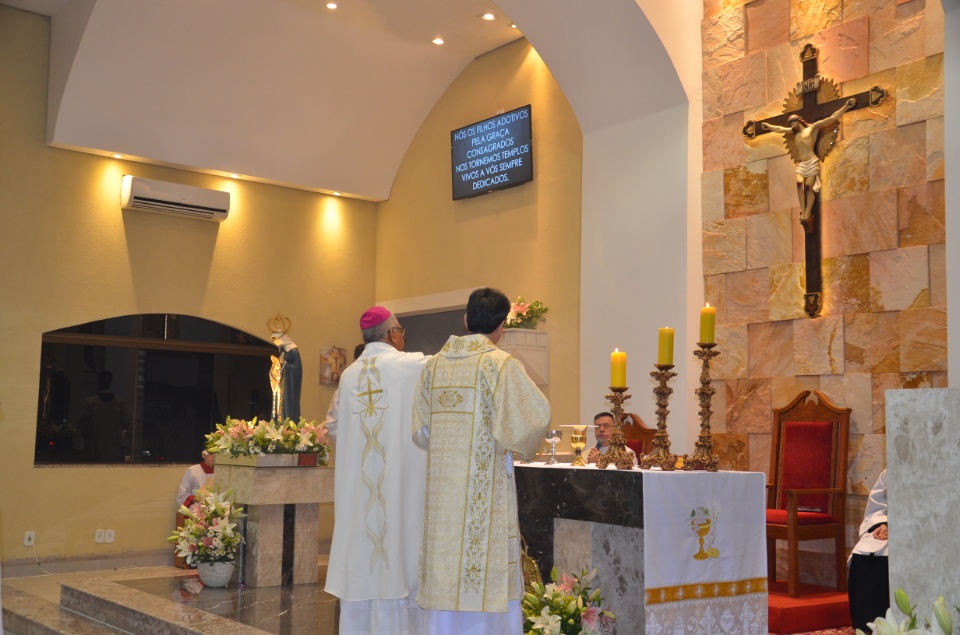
pixel 719 588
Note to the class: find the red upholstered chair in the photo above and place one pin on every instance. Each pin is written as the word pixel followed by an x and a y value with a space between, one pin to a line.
pixel 808 482
pixel 636 435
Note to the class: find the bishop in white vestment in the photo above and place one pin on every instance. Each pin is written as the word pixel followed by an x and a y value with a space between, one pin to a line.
pixel 475 405
pixel 379 486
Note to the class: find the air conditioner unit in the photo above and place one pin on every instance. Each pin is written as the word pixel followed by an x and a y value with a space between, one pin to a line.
pixel 147 195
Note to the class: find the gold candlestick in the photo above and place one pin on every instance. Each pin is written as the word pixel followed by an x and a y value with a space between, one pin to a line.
pixel 617 454
pixel 660 456
pixel 704 458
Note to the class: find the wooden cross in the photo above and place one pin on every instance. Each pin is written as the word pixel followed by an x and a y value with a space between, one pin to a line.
pixel 805 101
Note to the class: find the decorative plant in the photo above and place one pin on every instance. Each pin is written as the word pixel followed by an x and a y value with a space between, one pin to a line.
pixel 209 532
pixel 525 316
pixel 940 621
pixel 237 437
pixel 567 606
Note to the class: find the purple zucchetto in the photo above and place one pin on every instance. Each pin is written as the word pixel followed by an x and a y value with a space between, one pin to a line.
pixel 374 316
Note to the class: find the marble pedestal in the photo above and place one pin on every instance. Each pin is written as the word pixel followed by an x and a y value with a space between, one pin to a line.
pixel 282 505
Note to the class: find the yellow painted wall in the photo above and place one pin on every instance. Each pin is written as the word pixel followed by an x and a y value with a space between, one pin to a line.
pixel 524 240
pixel 68 255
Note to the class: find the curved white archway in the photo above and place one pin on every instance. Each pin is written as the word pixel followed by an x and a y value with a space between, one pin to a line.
pixel 640 246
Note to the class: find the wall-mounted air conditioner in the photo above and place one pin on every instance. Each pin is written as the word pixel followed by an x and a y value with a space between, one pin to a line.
pixel 147 195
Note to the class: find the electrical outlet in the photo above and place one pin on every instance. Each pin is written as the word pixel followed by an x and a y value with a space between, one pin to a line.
pixel 29 538
pixel 109 535
pixel 98 536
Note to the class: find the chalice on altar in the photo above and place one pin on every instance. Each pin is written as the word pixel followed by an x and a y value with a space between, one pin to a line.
pixel 553 438
pixel 578 441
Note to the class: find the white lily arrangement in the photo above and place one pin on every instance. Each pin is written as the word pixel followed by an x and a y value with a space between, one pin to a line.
pixel 237 437
pixel 210 530
pixel 939 623
pixel 568 605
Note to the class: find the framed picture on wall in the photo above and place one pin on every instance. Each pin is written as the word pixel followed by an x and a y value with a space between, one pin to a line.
pixel 333 360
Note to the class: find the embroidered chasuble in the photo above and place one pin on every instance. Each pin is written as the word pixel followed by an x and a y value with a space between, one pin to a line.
pixel 379 479
pixel 477 404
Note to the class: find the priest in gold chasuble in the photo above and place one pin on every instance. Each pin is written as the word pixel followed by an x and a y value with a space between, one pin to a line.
pixel 474 407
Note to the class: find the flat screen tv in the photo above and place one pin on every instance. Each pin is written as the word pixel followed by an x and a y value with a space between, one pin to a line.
pixel 492 154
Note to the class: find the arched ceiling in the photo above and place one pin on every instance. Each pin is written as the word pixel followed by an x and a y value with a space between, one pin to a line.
pixel 292 93
pixel 606 55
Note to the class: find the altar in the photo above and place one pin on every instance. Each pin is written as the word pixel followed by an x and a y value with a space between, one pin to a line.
pixel 676 552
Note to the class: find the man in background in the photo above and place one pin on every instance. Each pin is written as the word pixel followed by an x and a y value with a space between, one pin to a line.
pixel 379 485
pixel 604 431
pixel 474 407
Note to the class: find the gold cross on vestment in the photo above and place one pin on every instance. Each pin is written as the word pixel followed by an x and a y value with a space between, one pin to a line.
pixel 370 404
pixel 809 92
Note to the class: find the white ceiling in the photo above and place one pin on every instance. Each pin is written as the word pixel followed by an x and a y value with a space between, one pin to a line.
pixel 292 93
pixel 281 91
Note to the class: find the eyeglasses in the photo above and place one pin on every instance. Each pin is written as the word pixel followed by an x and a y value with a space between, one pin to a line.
pixel 402 330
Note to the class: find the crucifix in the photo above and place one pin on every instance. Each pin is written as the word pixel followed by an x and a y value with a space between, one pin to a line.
pixel 816 99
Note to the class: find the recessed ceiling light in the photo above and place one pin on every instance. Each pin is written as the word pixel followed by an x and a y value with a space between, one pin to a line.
pixel 331 5
pixel 117 155
pixel 488 16
pixel 234 176
pixel 513 26
pixel 438 40
pixel 336 193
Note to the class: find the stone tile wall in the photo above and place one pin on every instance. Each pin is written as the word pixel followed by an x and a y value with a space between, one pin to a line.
pixel 883 323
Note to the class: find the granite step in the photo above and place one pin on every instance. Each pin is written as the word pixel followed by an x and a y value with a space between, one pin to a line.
pixel 119 602
pixel 26 614
pixel 132 611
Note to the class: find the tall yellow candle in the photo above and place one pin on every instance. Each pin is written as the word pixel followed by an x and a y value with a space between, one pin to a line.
pixel 665 350
pixel 708 322
pixel 618 369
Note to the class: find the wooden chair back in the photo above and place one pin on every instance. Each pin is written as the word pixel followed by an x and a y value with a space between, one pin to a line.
pixel 637 436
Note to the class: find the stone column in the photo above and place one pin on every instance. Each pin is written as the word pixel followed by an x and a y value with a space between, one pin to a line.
pixel 923 461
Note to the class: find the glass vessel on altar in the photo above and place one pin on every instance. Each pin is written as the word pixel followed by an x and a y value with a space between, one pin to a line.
pixel 553 438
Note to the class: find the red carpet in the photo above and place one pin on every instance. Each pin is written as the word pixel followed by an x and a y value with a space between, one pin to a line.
pixel 817 609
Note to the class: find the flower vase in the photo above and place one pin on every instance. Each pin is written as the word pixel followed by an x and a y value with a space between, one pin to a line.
pixel 215 574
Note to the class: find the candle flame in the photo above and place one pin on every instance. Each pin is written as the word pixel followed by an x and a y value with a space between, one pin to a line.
pixel 708 305
pixel 616 350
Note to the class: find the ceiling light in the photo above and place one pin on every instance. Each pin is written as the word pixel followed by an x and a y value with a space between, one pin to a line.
pixel 331 5
pixel 234 176
pixel 438 40
pixel 336 193
pixel 117 155
pixel 488 16
pixel 513 26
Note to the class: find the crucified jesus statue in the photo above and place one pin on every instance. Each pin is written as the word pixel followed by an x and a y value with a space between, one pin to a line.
pixel 802 142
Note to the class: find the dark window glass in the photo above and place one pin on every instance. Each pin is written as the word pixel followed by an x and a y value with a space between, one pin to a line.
pixel 145 388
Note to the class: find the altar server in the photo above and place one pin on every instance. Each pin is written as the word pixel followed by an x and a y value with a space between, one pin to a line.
pixel 196 477
pixel 868 585
pixel 379 486
pixel 474 407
